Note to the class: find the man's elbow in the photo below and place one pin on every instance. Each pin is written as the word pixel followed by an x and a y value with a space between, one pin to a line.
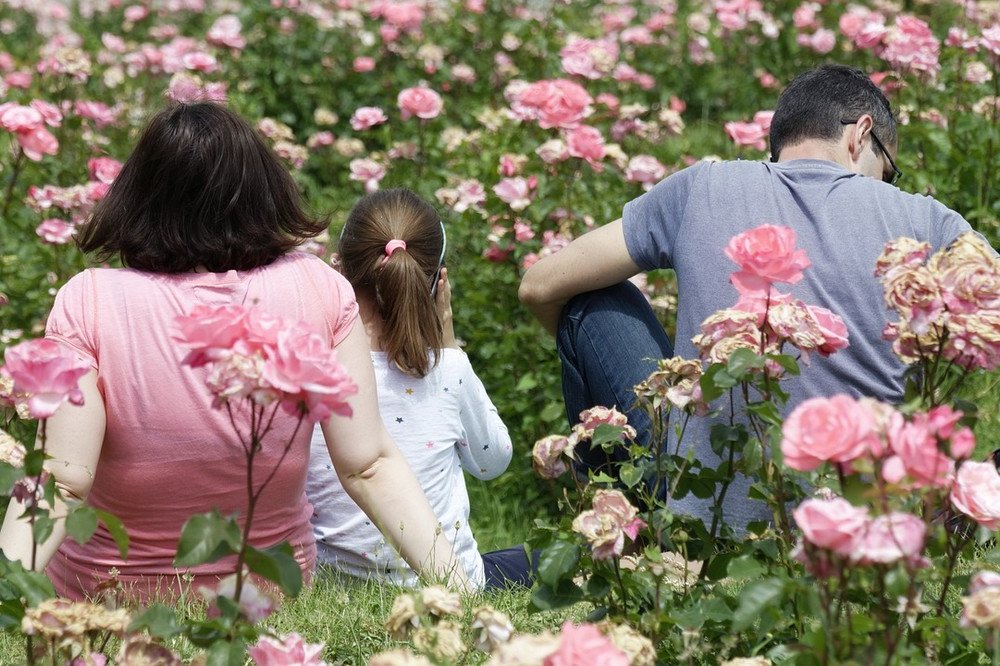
pixel 532 290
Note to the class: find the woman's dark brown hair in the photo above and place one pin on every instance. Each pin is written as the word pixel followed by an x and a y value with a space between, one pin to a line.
pixel 399 284
pixel 201 190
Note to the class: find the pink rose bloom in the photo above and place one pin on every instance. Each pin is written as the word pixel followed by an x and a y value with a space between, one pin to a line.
pixel 404 15
pixel 18 80
pixel 613 503
pixel 910 44
pixel 982 580
pixel 837 429
pixel 37 143
pixel 603 532
pixel 587 143
pixel 804 16
pixel 210 333
pixel 48 372
pixel 589 58
pixel 421 102
pixel 135 13
pixel 104 169
pixel 367 171
pixel 549 456
pixel 765 255
pixel 516 192
pixel 822 41
pixel 200 62
pixel 645 169
pixel 763 119
pixel 464 73
pixel 595 416
pixel 585 645
pixel 523 232
pixel 17 118
pixel 889 538
pixel 830 524
pixel 50 112
pixel 363 64
pixel 746 134
pixel 226 32
pixel 55 232
pixel 976 493
pixel 475 6
pixel 637 34
pixel 990 40
pixel 915 454
pixel 304 367
pixel 470 193
pixel 559 103
pixel 320 140
pixel 101 114
pixel 553 151
pixel 902 252
pixel 510 164
pixel 831 327
pixel 366 117
pixel 255 605
pixel 290 650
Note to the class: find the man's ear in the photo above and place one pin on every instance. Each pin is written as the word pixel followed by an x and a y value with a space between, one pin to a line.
pixel 856 136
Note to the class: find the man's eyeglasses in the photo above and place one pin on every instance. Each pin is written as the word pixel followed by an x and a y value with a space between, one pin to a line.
pixel 891 178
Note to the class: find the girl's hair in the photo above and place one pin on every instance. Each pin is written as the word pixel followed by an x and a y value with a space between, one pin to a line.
pixel 200 189
pixel 400 284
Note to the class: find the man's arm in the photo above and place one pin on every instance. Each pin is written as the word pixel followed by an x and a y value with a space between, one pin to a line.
pixel 595 260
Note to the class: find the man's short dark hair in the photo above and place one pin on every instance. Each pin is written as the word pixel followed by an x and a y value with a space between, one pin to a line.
pixel 201 189
pixel 815 103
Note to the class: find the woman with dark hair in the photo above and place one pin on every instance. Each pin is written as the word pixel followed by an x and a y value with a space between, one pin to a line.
pixel 203 213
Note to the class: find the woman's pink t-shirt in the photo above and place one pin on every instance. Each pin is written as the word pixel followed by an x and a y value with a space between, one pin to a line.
pixel 167 454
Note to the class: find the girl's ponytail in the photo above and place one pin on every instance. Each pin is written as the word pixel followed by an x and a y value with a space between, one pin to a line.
pixel 391 251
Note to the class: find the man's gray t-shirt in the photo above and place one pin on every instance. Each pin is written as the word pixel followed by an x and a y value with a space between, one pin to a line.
pixel 841 219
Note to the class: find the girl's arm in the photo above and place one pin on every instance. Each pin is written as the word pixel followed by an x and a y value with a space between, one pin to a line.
pixel 377 477
pixel 74 436
pixel 487 448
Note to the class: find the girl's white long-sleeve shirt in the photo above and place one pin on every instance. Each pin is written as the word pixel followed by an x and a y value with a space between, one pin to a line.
pixel 443 424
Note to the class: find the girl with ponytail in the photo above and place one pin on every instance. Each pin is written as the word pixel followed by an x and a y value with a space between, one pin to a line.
pixel 435 407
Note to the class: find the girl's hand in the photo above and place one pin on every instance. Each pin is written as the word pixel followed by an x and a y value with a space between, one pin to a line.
pixel 442 300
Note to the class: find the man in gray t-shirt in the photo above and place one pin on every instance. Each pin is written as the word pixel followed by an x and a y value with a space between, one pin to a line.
pixel 830 179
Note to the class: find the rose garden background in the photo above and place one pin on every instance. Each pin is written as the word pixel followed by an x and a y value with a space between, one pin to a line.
pixel 528 123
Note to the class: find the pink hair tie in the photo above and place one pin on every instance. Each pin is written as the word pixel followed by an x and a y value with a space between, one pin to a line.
pixel 392 246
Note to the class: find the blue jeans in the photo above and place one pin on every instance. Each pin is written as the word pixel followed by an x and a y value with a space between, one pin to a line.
pixel 608 340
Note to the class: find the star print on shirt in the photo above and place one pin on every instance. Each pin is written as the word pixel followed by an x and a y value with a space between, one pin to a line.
pixel 430 445
pixel 409 391
pixel 399 419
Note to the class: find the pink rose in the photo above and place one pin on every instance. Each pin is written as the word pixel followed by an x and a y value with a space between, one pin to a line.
pixel 48 372
pixel 255 605
pixel 645 169
pixel 982 580
pixel 50 112
pixel 976 493
pixel 586 143
pixel 765 255
pixel 915 454
pixel 831 327
pixel 16 118
pixel 614 504
pixel 517 192
pixel 290 650
pixel 210 332
pixel 363 64
pixel 37 142
pixel 558 103
pixel 421 102
pixel 837 429
pixel 367 171
pixel 585 645
pixel 746 134
pixel 101 114
pixel 549 454
pixel 603 532
pixel 55 232
pixel 366 117
pixel 830 524
pixel 226 32
pixel 304 367
pixel 553 151
pixel 889 538
pixel 104 169
pixel 595 416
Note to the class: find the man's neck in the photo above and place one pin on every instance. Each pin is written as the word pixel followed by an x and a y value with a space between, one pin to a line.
pixel 812 150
